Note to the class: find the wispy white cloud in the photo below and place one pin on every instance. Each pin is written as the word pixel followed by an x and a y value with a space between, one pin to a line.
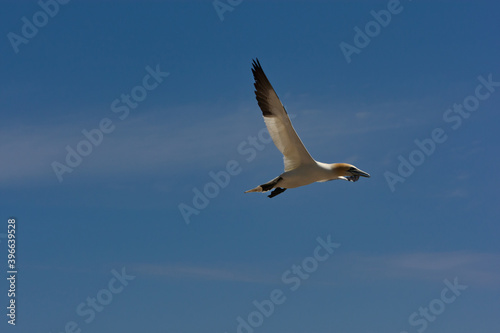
pixel 233 273
pixel 476 269
pixel 144 143
pixel 26 152
pixel 354 119
pixel 470 150
pixel 457 193
pixel 154 141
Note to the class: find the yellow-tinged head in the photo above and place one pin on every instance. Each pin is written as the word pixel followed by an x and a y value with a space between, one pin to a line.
pixel 348 172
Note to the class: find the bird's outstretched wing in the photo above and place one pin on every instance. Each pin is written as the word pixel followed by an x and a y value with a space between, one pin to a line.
pixel 278 123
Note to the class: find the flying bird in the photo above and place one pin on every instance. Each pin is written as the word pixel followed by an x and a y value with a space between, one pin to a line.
pixel 300 168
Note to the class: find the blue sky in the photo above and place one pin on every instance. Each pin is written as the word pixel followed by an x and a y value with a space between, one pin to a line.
pixel 117 213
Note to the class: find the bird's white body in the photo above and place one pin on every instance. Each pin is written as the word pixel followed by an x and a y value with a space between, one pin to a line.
pixel 307 174
pixel 300 168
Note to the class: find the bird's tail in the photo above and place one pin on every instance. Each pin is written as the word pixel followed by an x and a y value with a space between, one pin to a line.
pixel 257 189
pixel 267 186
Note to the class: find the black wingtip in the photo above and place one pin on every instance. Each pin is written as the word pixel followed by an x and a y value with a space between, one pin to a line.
pixel 256 65
pixel 263 88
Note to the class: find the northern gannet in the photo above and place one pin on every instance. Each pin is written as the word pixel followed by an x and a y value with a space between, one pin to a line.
pixel 300 168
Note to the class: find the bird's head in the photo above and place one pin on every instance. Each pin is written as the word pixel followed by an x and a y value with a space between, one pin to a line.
pixel 348 172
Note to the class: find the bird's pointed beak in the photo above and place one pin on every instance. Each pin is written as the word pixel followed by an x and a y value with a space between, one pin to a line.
pixel 361 173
